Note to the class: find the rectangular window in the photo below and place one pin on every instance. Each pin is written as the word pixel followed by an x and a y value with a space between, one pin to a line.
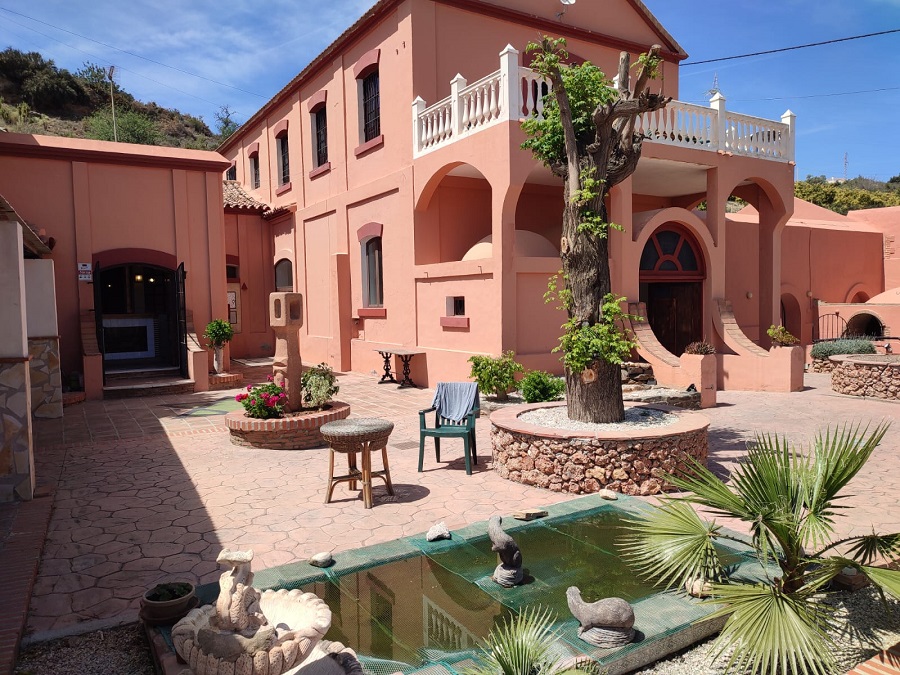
pixel 321 136
pixel 254 172
pixel 231 273
pixel 231 174
pixel 371 107
pixel 374 273
pixel 284 166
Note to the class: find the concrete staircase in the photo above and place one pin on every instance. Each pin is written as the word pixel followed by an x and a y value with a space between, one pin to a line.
pixel 145 382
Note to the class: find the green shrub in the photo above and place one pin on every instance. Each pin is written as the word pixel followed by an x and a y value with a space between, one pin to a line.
pixel 495 376
pixel 822 350
pixel 218 332
pixel 781 336
pixel 538 386
pixel 319 385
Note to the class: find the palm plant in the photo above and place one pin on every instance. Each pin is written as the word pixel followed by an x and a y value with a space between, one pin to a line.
pixel 524 645
pixel 789 497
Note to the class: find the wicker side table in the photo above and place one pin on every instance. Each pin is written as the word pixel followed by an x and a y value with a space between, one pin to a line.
pixel 363 435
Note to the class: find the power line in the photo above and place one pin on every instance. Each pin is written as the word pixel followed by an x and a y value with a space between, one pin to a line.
pixel 137 56
pixel 787 49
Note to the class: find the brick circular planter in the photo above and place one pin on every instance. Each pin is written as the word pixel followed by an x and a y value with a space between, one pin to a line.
pixel 578 462
pixel 292 432
pixel 872 375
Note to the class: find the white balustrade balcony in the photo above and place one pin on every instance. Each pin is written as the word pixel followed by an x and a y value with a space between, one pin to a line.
pixel 515 93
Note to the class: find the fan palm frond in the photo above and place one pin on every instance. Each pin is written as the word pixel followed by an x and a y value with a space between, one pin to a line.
pixel 672 545
pixel 772 632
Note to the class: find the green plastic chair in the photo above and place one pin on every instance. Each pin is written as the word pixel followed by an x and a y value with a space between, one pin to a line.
pixel 446 428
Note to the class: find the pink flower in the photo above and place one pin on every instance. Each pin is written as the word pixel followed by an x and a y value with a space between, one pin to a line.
pixel 270 378
pixel 240 397
pixel 252 401
pixel 249 387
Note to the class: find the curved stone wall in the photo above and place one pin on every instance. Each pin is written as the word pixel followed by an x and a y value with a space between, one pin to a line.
pixel 294 432
pixel 876 376
pixel 584 462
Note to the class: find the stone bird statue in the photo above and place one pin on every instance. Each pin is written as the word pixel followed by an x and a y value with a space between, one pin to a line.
pixel 605 623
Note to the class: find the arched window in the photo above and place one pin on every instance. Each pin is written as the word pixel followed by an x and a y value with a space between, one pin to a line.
pixel 284 276
pixel 671 254
pixel 373 274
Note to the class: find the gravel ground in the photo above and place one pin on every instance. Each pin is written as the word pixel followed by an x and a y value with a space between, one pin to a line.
pixel 635 418
pixel 872 630
pixel 123 651
pixel 117 651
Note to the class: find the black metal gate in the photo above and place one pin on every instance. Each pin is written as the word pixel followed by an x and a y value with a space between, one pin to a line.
pixel 181 309
pixel 829 327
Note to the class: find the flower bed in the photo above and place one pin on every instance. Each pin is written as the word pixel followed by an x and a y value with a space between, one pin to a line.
pixel 877 376
pixel 294 431
pixel 631 462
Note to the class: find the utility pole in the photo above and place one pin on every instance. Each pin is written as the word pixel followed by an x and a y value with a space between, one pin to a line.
pixel 112 102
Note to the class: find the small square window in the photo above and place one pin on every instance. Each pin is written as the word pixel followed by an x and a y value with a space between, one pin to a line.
pixel 456 306
pixel 231 272
pixel 231 174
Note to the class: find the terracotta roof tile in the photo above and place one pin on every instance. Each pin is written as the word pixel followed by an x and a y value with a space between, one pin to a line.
pixel 236 198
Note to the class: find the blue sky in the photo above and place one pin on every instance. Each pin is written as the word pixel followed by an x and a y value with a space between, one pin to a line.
pixel 257 52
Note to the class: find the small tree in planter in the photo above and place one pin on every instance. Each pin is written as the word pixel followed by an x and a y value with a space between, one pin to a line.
pixel 218 333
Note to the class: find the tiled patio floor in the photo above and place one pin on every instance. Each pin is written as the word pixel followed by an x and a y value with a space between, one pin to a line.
pixel 145 492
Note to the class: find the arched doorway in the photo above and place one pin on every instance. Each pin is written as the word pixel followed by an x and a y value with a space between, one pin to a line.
pixel 672 271
pixel 138 317
pixel 864 325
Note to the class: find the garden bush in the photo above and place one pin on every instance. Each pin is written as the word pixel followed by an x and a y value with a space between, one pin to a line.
pixel 319 385
pixel 702 348
pixel 781 336
pixel 495 375
pixel 263 401
pixel 822 350
pixel 538 386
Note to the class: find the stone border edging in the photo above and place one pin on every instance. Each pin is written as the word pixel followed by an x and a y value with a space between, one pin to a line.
pixel 508 419
pixel 579 462
pixel 283 433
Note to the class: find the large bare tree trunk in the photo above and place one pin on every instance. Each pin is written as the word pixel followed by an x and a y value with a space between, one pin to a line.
pixel 595 393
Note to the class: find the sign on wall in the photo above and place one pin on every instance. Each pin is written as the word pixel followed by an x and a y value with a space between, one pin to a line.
pixel 85 272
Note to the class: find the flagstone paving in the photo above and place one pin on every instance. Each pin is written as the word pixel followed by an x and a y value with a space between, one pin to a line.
pixel 151 489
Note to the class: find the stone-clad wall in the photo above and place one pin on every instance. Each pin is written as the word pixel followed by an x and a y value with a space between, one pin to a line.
pixel 867 378
pixel 821 366
pixel 634 372
pixel 46 379
pixel 16 463
pixel 549 459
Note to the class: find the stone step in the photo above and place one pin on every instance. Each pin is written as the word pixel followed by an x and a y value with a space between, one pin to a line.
pixel 156 386
pixel 141 373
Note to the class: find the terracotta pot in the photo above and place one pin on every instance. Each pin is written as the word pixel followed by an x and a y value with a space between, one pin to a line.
pixel 156 612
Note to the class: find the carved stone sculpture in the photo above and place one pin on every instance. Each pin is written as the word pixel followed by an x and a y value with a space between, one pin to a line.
pixel 509 572
pixel 249 632
pixel 605 623
pixel 286 319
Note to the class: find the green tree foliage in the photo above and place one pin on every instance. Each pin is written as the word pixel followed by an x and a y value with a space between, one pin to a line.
pixel 80 102
pixel 854 195
pixel 789 498
pixel 225 122
pixel 131 127
pixel 496 376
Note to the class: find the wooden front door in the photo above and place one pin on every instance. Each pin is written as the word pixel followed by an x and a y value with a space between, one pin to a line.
pixel 675 313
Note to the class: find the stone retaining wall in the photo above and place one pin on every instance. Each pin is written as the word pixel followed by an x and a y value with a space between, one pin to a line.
pixel 634 372
pixel 579 462
pixel 46 379
pixel 867 376
pixel 297 432
pixel 821 366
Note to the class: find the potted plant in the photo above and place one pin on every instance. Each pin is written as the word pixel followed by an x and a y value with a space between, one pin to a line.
pixel 781 337
pixel 167 602
pixel 218 332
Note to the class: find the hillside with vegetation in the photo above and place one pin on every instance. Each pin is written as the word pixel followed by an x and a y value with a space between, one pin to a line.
pixel 850 195
pixel 37 97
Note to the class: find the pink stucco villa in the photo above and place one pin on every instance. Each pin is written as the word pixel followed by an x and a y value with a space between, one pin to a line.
pixel 386 183
pixel 405 212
